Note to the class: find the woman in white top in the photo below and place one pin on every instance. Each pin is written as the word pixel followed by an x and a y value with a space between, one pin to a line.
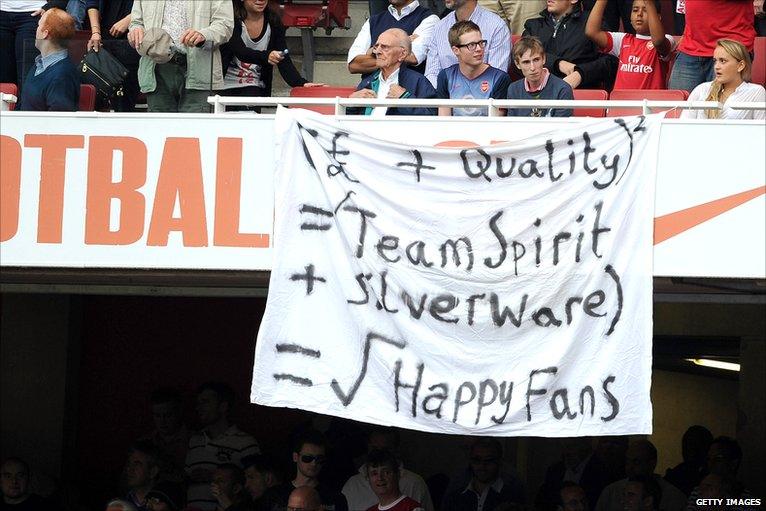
pixel 732 70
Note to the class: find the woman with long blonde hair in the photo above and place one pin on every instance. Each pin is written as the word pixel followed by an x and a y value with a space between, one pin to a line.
pixel 731 85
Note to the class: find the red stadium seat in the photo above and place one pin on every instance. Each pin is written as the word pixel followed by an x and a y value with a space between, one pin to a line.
pixel 10 88
pixel 641 94
pixel 321 92
pixel 593 95
pixel 759 61
pixel 87 98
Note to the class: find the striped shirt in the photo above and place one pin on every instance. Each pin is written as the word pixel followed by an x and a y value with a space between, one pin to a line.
pixel 493 29
pixel 207 453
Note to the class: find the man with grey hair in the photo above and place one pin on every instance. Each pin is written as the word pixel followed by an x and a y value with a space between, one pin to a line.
pixel 393 80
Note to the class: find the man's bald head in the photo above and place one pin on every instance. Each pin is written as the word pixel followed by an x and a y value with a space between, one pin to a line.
pixel 402 39
pixel 304 498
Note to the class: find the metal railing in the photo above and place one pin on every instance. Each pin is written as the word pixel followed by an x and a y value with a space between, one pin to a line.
pixel 493 105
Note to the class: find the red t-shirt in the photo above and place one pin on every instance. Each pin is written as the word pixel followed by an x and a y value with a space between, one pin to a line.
pixel 403 504
pixel 707 21
pixel 641 66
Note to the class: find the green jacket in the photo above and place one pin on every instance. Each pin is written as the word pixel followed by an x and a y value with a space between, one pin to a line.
pixel 212 18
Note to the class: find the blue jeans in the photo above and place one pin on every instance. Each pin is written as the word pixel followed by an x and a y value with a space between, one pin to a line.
pixel 690 71
pixel 17 45
pixel 76 9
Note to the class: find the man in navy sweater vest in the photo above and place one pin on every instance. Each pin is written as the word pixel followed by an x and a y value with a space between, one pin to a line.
pixel 52 84
pixel 408 15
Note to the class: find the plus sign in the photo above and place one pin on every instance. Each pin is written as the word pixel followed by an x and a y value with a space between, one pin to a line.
pixel 309 277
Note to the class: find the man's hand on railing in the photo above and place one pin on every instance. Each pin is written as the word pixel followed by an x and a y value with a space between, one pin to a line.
pixel 314 84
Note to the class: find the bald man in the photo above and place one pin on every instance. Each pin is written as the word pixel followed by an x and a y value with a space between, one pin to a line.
pixel 304 498
pixel 392 80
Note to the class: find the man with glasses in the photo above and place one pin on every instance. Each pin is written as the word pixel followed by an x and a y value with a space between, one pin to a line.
pixel 538 82
pixel 486 490
pixel 392 80
pixel 309 457
pixel 471 77
pixel 498 48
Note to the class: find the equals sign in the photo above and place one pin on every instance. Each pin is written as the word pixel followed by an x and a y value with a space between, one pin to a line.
pixel 298 350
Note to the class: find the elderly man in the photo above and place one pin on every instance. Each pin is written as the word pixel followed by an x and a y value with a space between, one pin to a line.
pixel 408 15
pixel 492 27
pixel 393 80
pixel 178 41
pixel 52 84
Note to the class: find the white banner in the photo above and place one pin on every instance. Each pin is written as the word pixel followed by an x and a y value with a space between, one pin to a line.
pixel 497 290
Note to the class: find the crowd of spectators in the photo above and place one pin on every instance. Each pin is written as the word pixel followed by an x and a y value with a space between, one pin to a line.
pixel 178 52
pixel 221 468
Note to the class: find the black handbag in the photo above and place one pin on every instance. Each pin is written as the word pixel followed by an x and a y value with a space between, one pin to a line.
pixel 101 69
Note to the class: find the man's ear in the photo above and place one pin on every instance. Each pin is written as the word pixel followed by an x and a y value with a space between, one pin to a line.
pixel 295 457
pixel 456 50
pixel 268 478
pixel 154 472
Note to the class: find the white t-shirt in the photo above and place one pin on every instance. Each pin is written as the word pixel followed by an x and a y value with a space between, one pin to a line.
pixel 245 74
pixel 21 5
pixel 746 92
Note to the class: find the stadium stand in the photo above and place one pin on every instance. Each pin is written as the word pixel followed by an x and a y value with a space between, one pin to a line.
pixel 640 94
pixel 592 95
pixel 321 92
pixel 10 88
pixel 87 98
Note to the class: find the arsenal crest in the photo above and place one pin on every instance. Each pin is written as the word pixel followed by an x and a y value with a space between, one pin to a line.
pixel 484 86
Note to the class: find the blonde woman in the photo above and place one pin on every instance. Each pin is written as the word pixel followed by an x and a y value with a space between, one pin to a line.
pixel 732 72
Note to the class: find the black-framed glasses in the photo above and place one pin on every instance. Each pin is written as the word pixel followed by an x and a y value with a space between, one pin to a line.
pixel 473 45
pixel 310 458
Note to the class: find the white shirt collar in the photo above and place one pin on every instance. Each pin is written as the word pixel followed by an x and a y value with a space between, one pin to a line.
pixel 407 9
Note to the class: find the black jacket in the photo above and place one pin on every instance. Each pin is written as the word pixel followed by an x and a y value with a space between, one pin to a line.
pixel 236 48
pixel 570 43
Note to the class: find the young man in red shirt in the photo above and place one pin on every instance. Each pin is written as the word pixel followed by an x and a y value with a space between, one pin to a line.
pixel 644 56
pixel 383 475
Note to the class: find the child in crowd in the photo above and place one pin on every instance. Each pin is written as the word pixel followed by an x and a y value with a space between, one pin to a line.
pixel 471 77
pixel 645 56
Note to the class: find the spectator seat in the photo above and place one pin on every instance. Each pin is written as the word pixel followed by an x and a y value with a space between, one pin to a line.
pixel 10 88
pixel 321 92
pixel 87 98
pixel 641 94
pixel 592 95
pixel 759 61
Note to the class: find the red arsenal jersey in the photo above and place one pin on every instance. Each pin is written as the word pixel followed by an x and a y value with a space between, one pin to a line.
pixel 641 66
pixel 707 21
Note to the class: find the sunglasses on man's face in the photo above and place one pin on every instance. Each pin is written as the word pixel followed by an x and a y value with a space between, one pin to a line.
pixel 310 458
